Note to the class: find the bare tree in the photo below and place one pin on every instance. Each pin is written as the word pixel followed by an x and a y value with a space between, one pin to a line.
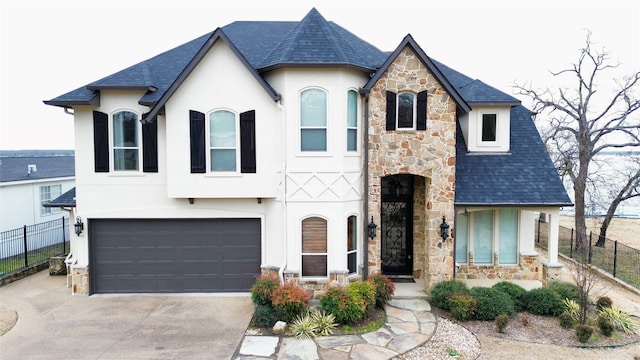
pixel 630 190
pixel 586 119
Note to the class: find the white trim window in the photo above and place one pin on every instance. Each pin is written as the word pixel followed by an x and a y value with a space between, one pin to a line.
pixel 352 244
pixel 314 247
pixel 48 193
pixel 126 141
pixel 223 141
pixel 313 120
pixel 485 232
pixel 352 121
pixel 489 128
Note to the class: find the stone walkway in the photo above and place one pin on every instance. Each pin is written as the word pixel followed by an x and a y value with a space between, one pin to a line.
pixel 409 324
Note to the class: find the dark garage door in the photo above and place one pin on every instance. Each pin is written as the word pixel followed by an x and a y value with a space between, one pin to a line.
pixel 173 255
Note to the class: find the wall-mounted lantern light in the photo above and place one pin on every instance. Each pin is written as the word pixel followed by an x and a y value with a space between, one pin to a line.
pixel 79 225
pixel 372 229
pixel 444 229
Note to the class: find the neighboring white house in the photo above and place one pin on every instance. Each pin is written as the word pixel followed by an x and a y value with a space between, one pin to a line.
pixel 29 179
pixel 273 146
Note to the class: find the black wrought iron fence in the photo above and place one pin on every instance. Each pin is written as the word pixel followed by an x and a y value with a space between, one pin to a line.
pixel 32 244
pixel 616 258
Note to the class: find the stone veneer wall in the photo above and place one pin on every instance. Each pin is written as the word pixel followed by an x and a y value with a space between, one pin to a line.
pixel 427 153
pixel 528 268
pixel 80 280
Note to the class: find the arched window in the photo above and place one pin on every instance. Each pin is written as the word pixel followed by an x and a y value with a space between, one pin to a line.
pixel 222 141
pixel 352 121
pixel 126 141
pixel 314 247
pixel 313 120
pixel 352 244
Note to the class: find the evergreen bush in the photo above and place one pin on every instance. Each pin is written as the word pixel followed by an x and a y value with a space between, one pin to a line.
pixel 516 293
pixel 566 290
pixel 584 332
pixel 463 306
pixel 605 326
pixel 491 303
pixel 289 301
pixel 385 288
pixel 262 289
pixel 264 316
pixel 501 322
pixel 338 302
pixel 544 301
pixel 603 302
pixel 364 291
pixel 566 320
pixel 440 292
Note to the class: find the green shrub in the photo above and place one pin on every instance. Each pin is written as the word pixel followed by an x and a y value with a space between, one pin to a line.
pixel 491 303
pixel 603 302
pixel 605 326
pixel 363 291
pixel 440 292
pixel 566 320
pixel 338 302
pixel 262 289
pixel 619 319
pixel 324 323
pixel 544 301
pixel 501 322
pixel 463 306
pixel 303 327
pixel 584 332
pixel 516 293
pixel 565 289
pixel 289 301
pixel 572 308
pixel 385 288
pixel 264 316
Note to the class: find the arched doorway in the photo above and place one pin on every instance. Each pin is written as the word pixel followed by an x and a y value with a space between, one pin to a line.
pixel 396 249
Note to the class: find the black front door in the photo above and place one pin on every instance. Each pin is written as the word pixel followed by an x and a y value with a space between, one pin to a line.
pixel 397 225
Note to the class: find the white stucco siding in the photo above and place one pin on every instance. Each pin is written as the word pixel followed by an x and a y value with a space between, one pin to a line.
pixel 336 215
pixel 221 82
pixel 21 202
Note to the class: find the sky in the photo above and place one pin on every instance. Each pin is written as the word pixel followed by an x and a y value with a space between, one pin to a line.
pixel 51 47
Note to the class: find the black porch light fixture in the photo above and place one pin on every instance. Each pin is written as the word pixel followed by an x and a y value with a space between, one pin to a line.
pixel 79 225
pixel 444 229
pixel 371 229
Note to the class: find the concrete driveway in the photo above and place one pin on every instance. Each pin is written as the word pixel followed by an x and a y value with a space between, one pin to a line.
pixel 52 324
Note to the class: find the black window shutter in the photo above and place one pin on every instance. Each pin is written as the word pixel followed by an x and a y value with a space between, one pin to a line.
pixel 149 145
pixel 196 127
pixel 101 141
pixel 248 142
pixel 391 110
pixel 422 111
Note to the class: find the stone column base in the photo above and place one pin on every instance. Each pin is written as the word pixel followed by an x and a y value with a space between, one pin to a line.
pixel 79 280
pixel 550 272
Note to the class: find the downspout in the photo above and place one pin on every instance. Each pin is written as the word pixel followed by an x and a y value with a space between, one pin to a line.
pixel 365 269
pixel 284 184
pixel 455 218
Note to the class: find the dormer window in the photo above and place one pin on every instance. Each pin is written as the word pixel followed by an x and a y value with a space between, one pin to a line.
pixel 489 127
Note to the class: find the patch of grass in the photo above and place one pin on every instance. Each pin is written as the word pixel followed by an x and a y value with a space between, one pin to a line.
pixel 372 322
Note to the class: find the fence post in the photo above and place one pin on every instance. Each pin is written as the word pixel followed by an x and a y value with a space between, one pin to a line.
pixel 615 257
pixel 64 240
pixel 571 245
pixel 590 233
pixel 24 238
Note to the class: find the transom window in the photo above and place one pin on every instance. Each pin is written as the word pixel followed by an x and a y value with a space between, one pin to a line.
pixel 489 127
pixel 406 110
pixel 48 193
pixel 352 121
pixel 223 141
pixel 126 141
pixel 313 120
pixel 314 247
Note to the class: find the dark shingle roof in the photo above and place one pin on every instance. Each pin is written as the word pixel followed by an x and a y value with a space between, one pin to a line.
pixel 68 199
pixel 14 168
pixel 524 176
